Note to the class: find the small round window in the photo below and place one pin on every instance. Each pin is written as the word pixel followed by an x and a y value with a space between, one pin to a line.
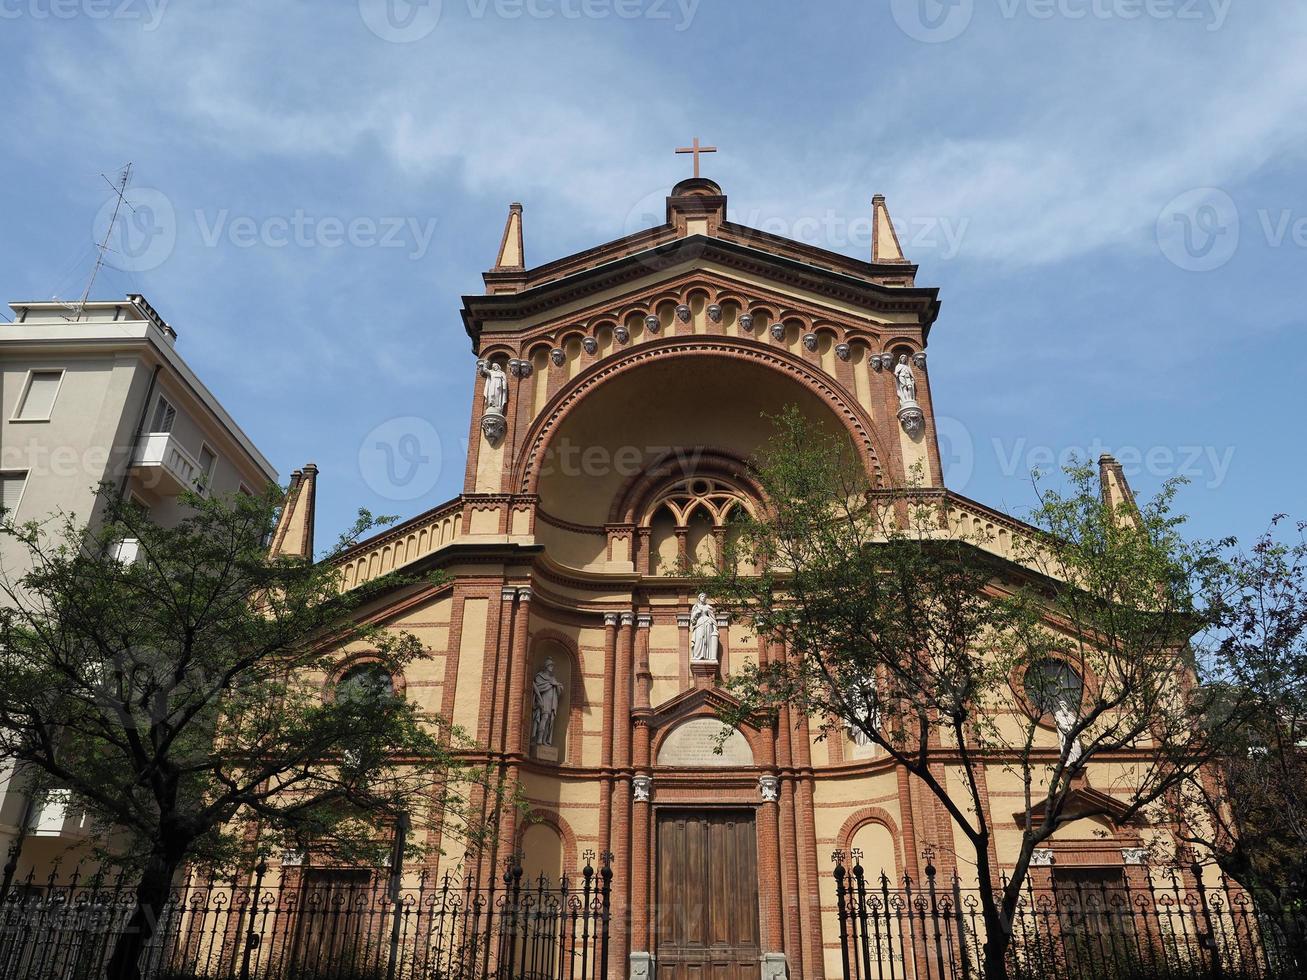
pixel 1053 685
pixel 366 682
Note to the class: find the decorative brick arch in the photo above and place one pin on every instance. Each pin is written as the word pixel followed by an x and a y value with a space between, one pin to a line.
pixel 631 503
pixel 576 693
pixel 852 417
pixel 555 820
pixel 860 819
pixel 699 703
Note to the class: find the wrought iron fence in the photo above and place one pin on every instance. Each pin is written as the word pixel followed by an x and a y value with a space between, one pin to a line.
pixel 1153 922
pixel 319 923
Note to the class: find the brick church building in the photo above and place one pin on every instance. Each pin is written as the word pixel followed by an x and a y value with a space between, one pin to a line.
pixel 617 395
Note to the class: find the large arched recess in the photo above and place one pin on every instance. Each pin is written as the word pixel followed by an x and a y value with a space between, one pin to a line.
pixel 626 413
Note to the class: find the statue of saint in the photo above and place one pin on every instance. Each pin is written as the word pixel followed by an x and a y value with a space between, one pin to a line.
pixel 905 382
pixel 546 691
pixel 1064 716
pixel 703 630
pixel 495 390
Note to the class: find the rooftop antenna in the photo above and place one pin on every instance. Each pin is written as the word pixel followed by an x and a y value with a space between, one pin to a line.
pixel 120 192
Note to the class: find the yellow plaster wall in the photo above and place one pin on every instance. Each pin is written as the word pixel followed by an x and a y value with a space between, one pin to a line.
pixel 471 664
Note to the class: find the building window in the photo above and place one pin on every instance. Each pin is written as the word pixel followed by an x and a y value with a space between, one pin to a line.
pixel 37 401
pixel 164 416
pixel 690 522
pixel 1056 689
pixel 1053 685
pixel 208 461
pixel 366 682
pixel 12 483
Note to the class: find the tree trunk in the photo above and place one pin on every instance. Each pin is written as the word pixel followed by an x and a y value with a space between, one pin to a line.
pixel 151 897
pixel 998 934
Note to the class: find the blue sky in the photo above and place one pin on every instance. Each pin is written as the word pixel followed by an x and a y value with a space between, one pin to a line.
pixel 1108 192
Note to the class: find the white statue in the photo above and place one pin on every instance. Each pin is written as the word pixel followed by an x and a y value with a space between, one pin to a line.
pixel 1064 717
pixel 905 382
pixel 546 691
pixel 703 630
pixel 495 390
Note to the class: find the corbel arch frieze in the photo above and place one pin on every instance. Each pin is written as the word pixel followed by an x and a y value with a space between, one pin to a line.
pixel 713 288
pixel 851 416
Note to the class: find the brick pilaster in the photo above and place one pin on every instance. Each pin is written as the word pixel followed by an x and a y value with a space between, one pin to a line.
pixel 514 720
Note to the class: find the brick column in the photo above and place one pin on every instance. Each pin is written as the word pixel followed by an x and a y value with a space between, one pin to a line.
pixel 769 880
pixel 810 908
pixel 494 717
pixel 621 807
pixel 769 847
pixel 606 739
pixel 641 792
pixel 514 722
pixel 789 840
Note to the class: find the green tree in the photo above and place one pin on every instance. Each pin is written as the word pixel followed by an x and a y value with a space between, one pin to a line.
pixel 180 696
pixel 903 628
pixel 1249 810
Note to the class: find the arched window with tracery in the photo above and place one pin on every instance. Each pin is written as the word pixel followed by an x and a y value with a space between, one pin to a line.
pixel 690 521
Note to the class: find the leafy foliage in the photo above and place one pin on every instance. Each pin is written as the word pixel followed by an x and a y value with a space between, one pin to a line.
pixel 1250 811
pixel 895 621
pixel 180 696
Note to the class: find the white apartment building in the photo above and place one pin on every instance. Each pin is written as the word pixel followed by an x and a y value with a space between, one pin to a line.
pixel 100 397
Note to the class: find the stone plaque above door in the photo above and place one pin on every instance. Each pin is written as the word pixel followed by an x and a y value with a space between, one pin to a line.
pixel 694 742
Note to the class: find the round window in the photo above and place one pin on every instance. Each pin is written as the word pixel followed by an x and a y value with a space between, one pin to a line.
pixel 1052 685
pixel 366 682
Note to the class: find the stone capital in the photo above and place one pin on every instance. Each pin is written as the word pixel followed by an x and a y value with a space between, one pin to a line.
pixel 641 788
pixel 1134 855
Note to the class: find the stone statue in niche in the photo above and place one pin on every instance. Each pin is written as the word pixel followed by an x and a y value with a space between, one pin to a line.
pixel 905 382
pixel 495 390
pixel 494 394
pixel 703 631
pixel 546 692
pixel 911 417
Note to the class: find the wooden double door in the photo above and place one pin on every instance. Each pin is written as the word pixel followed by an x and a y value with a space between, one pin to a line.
pixel 706 912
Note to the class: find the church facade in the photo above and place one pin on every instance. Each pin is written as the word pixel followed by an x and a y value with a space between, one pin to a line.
pixel 617 397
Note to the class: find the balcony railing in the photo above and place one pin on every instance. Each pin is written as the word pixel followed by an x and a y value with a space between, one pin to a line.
pixel 162 452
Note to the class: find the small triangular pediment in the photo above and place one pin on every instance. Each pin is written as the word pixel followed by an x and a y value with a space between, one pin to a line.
pixel 695 701
pixel 1083 801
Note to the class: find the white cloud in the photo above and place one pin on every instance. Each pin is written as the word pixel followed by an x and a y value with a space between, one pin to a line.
pixel 1093 165
pixel 490 110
